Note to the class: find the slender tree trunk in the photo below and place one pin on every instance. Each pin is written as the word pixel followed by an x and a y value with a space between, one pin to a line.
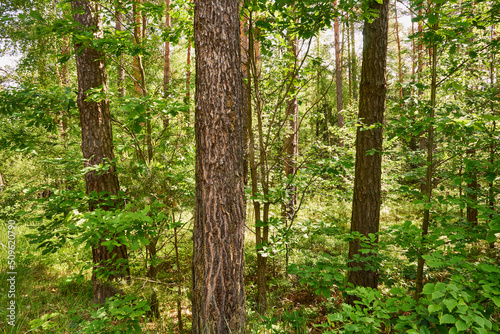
pixel 97 141
pixel 493 149
pixel 367 183
pixel 140 72
pixel 218 235
pixel 460 189
pixel 179 282
pixel 261 229
pixel 291 140
pixel 166 67
pixel 400 66
pixel 354 65
pixel 472 187
pixel 138 88
pixel 121 62
pixel 63 129
pixel 349 58
pixel 338 70
pixel 188 78
pixel 427 189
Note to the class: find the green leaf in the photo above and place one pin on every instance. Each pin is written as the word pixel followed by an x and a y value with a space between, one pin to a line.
pixel 496 300
pixel 135 245
pixel 461 325
pixel 433 19
pixel 447 319
pixel 437 294
pixel 442 330
pixel 450 304
pixel 491 237
pixel 428 288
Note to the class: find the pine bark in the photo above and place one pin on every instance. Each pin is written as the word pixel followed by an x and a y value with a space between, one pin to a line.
pixel 97 140
pixel 218 253
pixel 367 184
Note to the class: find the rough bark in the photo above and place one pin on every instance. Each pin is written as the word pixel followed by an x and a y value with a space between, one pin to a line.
pixel 367 199
pixel 97 140
pixel 218 253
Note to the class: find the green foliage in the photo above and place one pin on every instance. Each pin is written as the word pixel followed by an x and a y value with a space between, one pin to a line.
pixel 119 315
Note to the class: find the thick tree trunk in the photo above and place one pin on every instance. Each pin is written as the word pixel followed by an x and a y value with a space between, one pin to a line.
pixel 97 139
pixel 218 253
pixel 366 202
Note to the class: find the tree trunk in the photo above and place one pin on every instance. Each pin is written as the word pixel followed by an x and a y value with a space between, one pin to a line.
pixel 188 79
pixel 493 147
pixel 354 64
pixel 218 253
pixel 349 58
pixel 472 187
pixel 166 67
pixel 400 68
pixel 97 140
pixel 137 41
pixel 367 183
pixel 338 70
pixel 121 62
pixel 427 188
pixel 261 232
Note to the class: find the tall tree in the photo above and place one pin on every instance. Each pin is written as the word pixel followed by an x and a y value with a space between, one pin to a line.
pixel 338 69
pixel 97 138
pixel 291 140
pixel 121 63
pixel 166 66
pixel 354 63
pixel 367 183
pixel 426 188
pixel 218 254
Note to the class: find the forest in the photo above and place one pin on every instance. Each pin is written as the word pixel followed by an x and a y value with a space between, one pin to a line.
pixel 250 166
